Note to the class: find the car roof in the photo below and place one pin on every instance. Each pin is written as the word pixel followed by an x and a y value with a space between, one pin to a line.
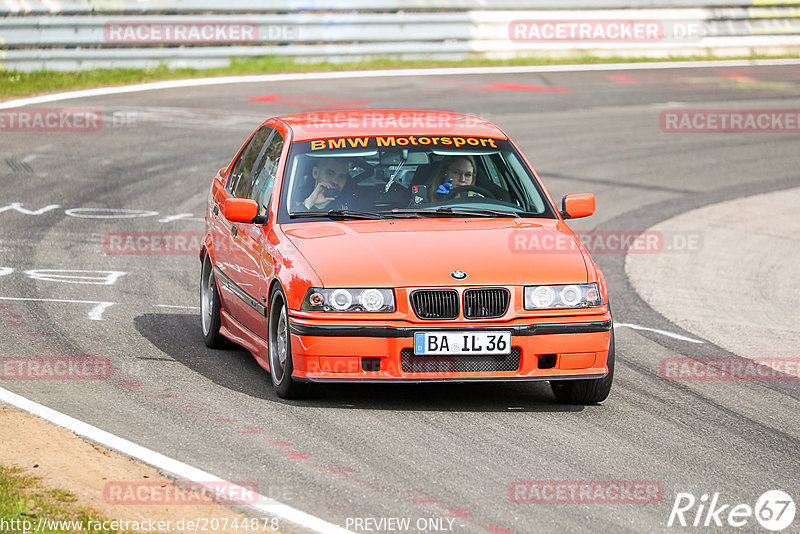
pixel 348 123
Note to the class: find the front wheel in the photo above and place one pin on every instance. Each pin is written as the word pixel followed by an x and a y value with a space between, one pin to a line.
pixel 210 306
pixel 281 365
pixel 587 391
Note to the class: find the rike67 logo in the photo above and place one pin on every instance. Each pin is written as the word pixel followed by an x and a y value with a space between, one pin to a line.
pixel 774 510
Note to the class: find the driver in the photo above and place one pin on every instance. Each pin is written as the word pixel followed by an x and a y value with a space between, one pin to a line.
pixel 330 176
pixel 452 172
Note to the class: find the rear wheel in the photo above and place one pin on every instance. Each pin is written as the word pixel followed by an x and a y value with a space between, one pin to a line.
pixel 281 365
pixel 210 306
pixel 586 391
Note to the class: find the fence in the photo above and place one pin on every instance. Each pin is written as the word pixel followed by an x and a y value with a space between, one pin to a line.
pixel 73 35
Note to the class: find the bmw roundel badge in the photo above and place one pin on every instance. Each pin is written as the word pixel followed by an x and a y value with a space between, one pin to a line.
pixel 458 275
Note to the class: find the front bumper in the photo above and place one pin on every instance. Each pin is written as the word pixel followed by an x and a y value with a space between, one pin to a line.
pixel 553 349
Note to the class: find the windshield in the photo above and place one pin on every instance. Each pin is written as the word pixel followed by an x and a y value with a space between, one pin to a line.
pixel 409 176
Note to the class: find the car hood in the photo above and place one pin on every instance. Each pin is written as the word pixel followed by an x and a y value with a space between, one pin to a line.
pixel 423 252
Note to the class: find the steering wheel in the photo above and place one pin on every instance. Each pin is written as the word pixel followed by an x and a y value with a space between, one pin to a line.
pixel 466 188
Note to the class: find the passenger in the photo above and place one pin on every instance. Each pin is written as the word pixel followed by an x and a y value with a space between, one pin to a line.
pixel 330 176
pixel 452 172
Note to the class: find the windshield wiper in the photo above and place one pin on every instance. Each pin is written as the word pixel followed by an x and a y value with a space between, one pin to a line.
pixel 458 212
pixel 335 214
pixel 486 212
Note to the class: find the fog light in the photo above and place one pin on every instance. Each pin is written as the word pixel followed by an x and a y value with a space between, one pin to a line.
pixel 371 363
pixel 547 361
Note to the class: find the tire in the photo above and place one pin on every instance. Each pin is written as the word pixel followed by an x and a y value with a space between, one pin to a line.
pixel 588 391
pixel 281 365
pixel 210 306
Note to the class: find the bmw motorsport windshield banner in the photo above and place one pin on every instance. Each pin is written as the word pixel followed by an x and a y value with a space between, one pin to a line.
pixel 390 141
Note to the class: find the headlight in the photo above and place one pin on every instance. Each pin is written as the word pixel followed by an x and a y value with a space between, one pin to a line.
pixel 566 296
pixel 349 300
pixel 340 299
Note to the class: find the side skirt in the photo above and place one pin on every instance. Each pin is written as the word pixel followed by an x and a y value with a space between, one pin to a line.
pixel 238 333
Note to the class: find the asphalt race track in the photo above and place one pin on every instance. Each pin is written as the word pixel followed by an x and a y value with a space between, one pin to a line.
pixel 421 452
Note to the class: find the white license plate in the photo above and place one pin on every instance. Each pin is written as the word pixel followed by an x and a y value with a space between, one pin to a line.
pixel 462 343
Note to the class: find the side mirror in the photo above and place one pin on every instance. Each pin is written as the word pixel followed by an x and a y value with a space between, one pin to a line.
pixel 576 206
pixel 240 210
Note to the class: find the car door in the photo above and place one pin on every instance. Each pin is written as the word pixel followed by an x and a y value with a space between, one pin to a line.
pixel 236 271
pixel 252 249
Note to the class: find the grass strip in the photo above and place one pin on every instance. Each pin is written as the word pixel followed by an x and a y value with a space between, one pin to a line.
pixel 17 84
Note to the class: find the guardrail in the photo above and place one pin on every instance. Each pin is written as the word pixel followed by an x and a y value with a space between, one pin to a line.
pixel 288 6
pixel 92 34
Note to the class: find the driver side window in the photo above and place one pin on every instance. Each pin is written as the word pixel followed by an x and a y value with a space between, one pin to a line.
pixel 265 171
pixel 240 180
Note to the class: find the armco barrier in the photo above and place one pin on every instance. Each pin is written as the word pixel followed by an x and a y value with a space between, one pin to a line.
pixel 74 35
pixel 283 6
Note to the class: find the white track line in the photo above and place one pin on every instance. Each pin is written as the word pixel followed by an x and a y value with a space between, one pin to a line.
pixel 448 71
pixel 95 314
pixel 657 331
pixel 165 463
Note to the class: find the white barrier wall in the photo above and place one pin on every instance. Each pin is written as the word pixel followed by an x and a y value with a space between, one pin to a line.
pixel 74 35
